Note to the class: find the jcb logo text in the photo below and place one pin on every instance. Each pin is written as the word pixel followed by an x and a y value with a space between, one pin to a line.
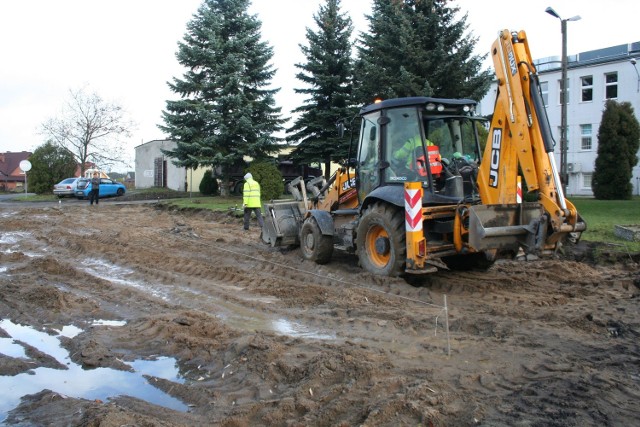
pixel 496 142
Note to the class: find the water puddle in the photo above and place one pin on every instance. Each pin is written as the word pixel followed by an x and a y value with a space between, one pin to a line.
pixel 108 323
pixel 119 275
pixel 8 214
pixel 284 327
pixel 13 239
pixel 100 383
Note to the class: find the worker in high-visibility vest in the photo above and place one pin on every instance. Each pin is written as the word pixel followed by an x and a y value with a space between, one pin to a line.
pixel 251 200
pixel 411 156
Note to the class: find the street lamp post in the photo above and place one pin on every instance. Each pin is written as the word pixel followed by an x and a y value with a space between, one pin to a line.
pixel 633 62
pixel 564 177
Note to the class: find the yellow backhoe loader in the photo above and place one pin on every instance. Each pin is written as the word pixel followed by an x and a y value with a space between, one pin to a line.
pixel 422 194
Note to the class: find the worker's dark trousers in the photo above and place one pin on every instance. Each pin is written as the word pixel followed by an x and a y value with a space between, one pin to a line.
pixel 247 217
pixel 94 195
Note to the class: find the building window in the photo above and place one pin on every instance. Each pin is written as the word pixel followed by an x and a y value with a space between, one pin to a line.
pixel 544 91
pixel 585 131
pixel 611 85
pixel 587 88
pixel 586 180
pixel 560 91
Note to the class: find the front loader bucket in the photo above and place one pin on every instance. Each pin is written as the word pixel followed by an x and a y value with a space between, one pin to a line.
pixel 282 222
pixel 507 227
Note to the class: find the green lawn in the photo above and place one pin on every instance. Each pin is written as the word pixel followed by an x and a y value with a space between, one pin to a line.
pixel 602 216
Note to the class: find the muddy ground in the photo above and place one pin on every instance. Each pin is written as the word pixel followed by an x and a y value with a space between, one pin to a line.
pixel 261 337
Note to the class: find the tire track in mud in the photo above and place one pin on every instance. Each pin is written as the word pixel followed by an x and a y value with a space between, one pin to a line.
pixel 566 388
pixel 292 283
pixel 278 278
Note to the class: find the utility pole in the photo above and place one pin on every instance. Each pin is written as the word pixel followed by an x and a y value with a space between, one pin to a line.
pixel 564 176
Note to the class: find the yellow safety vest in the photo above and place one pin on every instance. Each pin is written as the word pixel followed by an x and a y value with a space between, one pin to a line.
pixel 251 194
pixel 406 151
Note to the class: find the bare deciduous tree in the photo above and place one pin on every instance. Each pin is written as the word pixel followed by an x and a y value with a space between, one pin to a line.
pixel 91 129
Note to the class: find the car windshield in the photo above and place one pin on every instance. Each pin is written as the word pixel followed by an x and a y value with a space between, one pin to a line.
pixel 68 181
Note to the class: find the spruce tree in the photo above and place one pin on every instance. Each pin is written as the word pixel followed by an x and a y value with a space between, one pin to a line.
pixel 327 75
pixel 417 48
pixel 225 110
pixel 618 144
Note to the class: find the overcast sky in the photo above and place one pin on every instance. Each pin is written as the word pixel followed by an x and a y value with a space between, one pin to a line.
pixel 124 50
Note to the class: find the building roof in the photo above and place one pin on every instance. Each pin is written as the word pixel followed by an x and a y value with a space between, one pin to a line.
pixel 153 141
pixel 10 165
pixel 620 52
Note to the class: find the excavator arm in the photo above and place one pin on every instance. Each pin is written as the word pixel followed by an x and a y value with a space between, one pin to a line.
pixel 520 143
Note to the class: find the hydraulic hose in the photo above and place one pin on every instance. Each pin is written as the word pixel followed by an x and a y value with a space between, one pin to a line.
pixel 541 113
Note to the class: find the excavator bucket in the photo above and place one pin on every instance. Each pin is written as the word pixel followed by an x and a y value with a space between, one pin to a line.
pixel 282 222
pixel 507 227
pixel 284 218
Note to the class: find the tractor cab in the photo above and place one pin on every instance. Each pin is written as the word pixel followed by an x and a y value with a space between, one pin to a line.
pixel 428 140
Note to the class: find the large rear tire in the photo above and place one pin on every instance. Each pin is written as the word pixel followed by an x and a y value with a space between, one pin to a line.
pixel 315 246
pixel 381 240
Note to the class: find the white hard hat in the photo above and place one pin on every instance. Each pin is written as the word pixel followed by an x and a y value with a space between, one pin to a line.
pixel 248 175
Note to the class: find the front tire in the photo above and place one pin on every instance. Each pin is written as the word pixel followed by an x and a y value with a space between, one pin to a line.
pixel 314 245
pixel 381 240
pixel 120 192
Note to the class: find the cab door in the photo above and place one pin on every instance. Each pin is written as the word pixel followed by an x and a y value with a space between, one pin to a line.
pixel 368 166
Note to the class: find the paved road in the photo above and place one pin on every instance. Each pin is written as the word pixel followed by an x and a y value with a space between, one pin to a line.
pixel 13 201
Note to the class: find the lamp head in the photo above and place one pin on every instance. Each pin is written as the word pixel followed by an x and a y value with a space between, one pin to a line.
pixel 552 12
pixel 633 61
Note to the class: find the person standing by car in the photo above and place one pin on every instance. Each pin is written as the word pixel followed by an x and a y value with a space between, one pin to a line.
pixel 95 189
pixel 251 200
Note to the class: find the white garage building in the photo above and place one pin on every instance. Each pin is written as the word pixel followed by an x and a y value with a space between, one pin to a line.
pixel 154 169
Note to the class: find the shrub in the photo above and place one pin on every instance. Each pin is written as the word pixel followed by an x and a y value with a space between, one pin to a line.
pixel 51 164
pixel 618 142
pixel 269 178
pixel 209 185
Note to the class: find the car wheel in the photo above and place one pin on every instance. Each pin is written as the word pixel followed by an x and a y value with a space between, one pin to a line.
pixel 120 192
